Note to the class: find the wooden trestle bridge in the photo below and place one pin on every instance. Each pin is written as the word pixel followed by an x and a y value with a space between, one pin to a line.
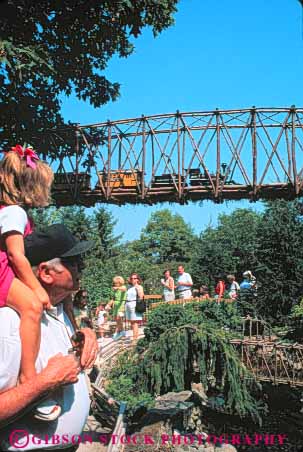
pixel 254 153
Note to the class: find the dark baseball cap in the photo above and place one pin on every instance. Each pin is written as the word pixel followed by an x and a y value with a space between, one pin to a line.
pixel 54 241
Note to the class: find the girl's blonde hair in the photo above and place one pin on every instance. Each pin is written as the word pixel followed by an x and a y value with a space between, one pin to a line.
pixel 118 281
pixel 20 184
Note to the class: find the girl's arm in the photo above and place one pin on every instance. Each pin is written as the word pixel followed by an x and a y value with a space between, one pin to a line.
pixel 171 284
pixel 15 251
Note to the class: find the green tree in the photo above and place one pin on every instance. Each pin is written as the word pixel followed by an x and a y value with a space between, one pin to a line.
pixel 56 48
pixel 44 217
pixel 107 243
pixel 166 238
pixel 228 248
pixel 103 262
pixel 132 260
pixel 183 346
pixel 280 257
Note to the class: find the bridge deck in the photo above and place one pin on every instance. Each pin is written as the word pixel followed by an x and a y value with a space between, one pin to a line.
pixel 169 194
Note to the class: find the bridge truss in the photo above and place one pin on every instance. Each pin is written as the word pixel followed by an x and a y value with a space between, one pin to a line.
pixel 254 153
pixel 271 361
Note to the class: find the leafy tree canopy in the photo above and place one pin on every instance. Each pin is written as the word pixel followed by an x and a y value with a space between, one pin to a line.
pixel 49 48
pixel 280 259
pixel 227 248
pixel 166 238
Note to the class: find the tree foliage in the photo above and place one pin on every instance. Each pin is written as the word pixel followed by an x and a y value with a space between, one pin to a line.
pixel 58 48
pixel 228 248
pixel 268 243
pixel 181 342
pixel 166 238
pixel 280 259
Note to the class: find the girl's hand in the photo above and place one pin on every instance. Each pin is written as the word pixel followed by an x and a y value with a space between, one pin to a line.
pixel 43 297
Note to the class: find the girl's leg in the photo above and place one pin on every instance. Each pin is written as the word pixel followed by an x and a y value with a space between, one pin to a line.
pixel 135 329
pixel 101 331
pixel 24 301
pixel 119 321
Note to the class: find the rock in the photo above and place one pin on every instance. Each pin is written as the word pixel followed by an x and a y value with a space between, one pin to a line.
pixel 198 391
pixel 183 396
pixel 225 448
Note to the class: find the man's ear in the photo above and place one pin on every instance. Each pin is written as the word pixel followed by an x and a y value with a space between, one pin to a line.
pixel 44 273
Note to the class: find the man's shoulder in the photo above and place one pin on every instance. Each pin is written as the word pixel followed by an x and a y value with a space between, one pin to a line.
pixel 7 313
pixel 9 321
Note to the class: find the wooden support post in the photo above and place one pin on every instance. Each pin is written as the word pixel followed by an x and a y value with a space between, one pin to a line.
pixel 76 186
pixel 179 156
pixel 254 149
pixel 109 145
pixel 293 149
pixel 218 157
pixel 143 158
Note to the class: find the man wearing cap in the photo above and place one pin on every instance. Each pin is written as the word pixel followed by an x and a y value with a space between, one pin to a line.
pixel 56 257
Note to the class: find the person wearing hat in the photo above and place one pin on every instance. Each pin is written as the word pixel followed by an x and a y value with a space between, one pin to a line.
pixel 249 281
pixel 56 259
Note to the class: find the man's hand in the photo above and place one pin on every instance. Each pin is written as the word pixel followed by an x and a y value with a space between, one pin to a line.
pixel 61 370
pixel 90 348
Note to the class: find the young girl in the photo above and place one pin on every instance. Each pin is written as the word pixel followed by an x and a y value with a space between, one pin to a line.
pixel 25 181
pixel 101 314
pixel 117 302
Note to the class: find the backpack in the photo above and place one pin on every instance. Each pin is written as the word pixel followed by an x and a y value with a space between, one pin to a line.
pixel 140 304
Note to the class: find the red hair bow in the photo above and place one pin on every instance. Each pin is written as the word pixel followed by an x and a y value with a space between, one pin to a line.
pixel 28 154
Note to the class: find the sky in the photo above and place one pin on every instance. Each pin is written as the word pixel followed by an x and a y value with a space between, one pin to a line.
pixel 219 54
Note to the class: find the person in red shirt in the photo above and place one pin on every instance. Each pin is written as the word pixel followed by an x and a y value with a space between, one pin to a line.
pixel 220 287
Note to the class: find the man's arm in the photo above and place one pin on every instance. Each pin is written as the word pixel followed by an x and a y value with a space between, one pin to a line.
pixel 59 370
pixel 189 280
pixel 90 348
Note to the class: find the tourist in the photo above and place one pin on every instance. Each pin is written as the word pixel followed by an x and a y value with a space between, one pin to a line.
pixel 25 182
pixel 204 292
pixel 55 253
pixel 219 288
pixel 249 282
pixel 184 284
pixel 169 286
pixel 233 286
pixel 134 292
pixel 101 314
pixel 117 303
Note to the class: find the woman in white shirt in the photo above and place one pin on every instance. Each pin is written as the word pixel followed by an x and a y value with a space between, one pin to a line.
pixel 169 286
pixel 134 292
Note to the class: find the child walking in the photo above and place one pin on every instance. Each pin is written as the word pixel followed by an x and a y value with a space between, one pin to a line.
pixel 25 181
pixel 101 314
pixel 117 303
